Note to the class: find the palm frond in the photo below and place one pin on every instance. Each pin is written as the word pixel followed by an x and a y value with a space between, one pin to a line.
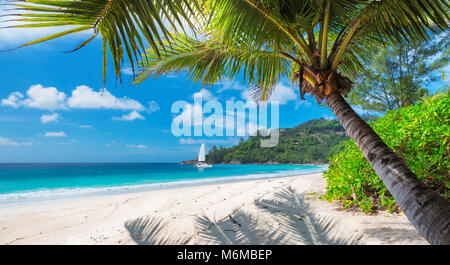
pixel 402 22
pixel 211 61
pixel 124 25
pixel 261 39
pixel 270 25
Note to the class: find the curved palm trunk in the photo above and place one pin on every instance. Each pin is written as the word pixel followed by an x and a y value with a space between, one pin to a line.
pixel 427 211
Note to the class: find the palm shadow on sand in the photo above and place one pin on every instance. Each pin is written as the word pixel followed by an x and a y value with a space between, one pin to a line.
pixel 286 219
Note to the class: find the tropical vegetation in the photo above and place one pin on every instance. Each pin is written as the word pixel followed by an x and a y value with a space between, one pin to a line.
pixel 318 44
pixel 398 76
pixel 419 135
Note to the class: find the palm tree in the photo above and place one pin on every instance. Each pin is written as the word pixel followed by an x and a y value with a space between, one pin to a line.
pixel 315 43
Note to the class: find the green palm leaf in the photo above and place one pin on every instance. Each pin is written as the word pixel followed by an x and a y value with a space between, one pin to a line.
pixel 124 25
pixel 330 35
pixel 211 61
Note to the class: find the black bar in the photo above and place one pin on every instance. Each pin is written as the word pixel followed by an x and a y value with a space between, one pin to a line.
pixel 220 254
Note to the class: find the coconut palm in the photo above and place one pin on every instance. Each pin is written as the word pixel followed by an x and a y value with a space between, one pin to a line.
pixel 318 44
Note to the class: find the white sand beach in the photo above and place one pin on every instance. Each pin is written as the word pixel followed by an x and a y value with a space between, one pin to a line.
pixel 268 211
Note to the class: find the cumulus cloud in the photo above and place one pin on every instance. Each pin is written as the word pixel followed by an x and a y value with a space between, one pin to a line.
pixel 86 126
pixel 48 98
pixel 129 117
pixel 38 97
pixel 84 97
pixel 49 118
pixel 14 100
pixel 205 94
pixel 55 134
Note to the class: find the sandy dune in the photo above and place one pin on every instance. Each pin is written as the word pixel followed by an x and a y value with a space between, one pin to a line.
pixel 269 211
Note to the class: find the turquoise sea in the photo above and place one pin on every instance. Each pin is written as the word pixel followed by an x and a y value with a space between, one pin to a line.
pixel 24 183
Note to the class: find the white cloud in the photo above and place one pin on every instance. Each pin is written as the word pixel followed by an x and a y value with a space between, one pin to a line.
pixel 329 117
pixel 192 113
pixel 84 97
pixel 49 118
pixel 48 98
pixel 205 94
pixel 127 70
pixel 86 126
pixel 38 97
pixel 9 142
pixel 129 117
pixel 14 100
pixel 55 134
pixel 281 93
pixel 230 85
pixel 138 146
pixel 152 106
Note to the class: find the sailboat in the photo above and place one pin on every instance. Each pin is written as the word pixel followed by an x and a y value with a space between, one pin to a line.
pixel 201 158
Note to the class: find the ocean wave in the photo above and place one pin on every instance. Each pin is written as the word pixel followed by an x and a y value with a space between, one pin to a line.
pixel 11 199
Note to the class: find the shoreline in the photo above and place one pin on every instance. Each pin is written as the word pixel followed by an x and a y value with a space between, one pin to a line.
pixel 61 194
pixel 283 210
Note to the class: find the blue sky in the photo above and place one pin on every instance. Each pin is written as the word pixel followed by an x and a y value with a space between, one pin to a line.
pixel 52 109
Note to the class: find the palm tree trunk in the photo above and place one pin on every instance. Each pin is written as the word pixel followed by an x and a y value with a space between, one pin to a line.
pixel 426 210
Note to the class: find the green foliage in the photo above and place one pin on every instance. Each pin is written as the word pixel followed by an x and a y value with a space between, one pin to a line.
pixel 396 76
pixel 419 134
pixel 211 61
pixel 126 27
pixel 265 39
pixel 309 142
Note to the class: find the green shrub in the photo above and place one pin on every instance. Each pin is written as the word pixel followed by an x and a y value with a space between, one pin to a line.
pixel 419 134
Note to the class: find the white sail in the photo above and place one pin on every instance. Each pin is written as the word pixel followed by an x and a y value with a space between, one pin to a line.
pixel 201 154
